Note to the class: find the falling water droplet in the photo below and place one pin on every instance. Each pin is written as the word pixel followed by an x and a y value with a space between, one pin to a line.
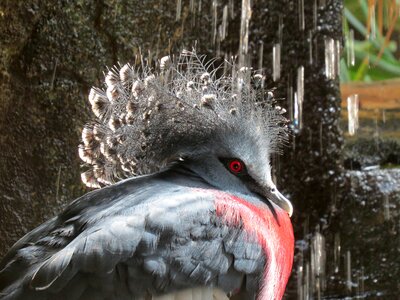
pixel 329 44
pixel 306 287
pixel 192 6
pixel 350 49
pixel 315 14
pixel 348 271
pixel 276 62
pixel 362 287
pixel 337 58
pixel 296 111
pixel 386 207
pixel 280 28
pixel 300 282
pixel 214 20
pixel 376 133
pixel 149 58
pixel 224 24
pixel 260 56
pixel 299 98
pixel 336 251
pixel 226 63
pixel 231 9
pixel 301 14
pixel 290 101
pixel 178 9
pixel 310 46
pixel 352 110
pixel 383 116
pixel 320 138
pixel 330 58
pixel 244 33
pixel 318 262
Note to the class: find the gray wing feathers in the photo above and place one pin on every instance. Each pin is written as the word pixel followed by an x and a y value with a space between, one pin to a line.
pixel 52 269
pixel 96 251
pixel 165 242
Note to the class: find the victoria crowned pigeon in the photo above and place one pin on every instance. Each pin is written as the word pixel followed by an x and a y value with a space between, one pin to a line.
pixel 184 206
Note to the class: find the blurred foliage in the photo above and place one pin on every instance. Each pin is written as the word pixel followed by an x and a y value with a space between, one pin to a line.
pixel 376 27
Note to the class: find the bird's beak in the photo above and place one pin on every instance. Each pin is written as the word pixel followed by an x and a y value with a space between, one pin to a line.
pixel 275 196
pixel 270 192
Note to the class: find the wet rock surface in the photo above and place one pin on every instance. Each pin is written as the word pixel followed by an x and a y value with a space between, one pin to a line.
pixel 354 254
pixel 366 153
pixel 369 225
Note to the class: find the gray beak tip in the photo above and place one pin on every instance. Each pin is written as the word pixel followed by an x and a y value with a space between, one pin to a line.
pixel 282 202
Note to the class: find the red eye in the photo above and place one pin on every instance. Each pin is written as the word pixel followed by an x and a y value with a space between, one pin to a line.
pixel 236 166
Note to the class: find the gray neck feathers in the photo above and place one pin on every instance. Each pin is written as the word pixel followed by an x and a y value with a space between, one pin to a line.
pixel 147 120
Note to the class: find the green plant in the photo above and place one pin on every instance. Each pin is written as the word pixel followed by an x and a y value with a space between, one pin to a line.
pixel 374 23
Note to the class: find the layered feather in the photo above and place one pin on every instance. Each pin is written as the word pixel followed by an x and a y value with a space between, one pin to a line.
pixel 148 119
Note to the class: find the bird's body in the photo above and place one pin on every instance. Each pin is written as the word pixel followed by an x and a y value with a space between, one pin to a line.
pixel 202 220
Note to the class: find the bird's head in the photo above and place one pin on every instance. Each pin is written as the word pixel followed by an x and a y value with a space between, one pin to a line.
pixel 224 128
pixel 239 162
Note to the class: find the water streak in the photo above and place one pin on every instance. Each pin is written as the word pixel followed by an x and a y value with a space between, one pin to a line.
pixel 306 289
pixel 295 110
pixel 336 252
pixel 318 263
pixel 315 14
pixel 214 20
pixel 362 279
pixel 352 110
pixel 300 282
pixel 261 56
pixel 276 62
pixel 299 98
pixel 290 97
pixel 351 60
pixel 192 6
pixel 224 24
pixel 231 9
pixel 178 9
pixel 310 46
pixel 301 14
pixel 386 207
pixel 337 57
pixel 320 138
pixel 244 33
pixel 348 271
pixel 332 58
pixel 377 132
